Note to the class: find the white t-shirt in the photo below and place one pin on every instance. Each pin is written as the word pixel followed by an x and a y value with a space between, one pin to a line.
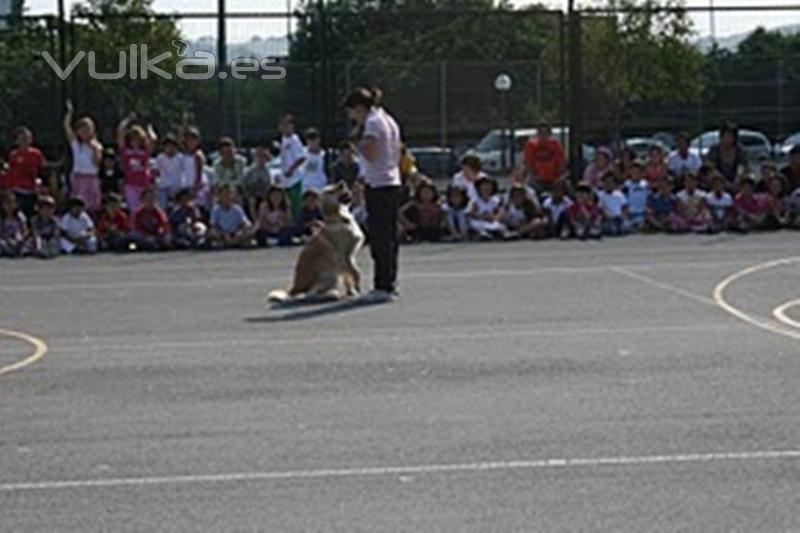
pixel 292 150
pixel 556 209
pixel 314 176
pixel 74 227
pixel 719 204
pixel 679 165
pixel 385 170
pixel 170 172
pixel 459 180
pixel 638 192
pixel 485 207
pixel 612 202
pixel 82 158
pixel 189 169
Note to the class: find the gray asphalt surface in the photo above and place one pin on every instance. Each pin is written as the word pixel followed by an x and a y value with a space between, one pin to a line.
pixel 164 366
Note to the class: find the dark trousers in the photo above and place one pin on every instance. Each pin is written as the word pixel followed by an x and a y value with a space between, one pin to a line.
pixel 383 204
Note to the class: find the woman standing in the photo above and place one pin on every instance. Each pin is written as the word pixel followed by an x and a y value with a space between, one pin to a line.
pixel 377 138
pixel 727 156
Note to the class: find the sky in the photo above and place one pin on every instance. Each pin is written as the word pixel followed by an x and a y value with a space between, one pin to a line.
pixel 242 29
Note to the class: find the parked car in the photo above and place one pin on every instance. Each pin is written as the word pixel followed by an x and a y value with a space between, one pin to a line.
pixel 494 153
pixel 643 145
pixel 755 143
pixel 782 150
pixel 435 162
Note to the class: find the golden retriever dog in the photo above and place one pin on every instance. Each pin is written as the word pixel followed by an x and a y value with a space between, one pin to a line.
pixel 326 267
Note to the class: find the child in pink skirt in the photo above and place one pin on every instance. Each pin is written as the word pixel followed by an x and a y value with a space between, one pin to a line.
pixel 135 146
pixel 86 155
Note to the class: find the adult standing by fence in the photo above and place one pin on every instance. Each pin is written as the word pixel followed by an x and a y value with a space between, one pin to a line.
pixel 377 138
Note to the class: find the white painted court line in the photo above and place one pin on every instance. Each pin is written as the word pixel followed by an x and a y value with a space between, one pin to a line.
pixel 664 286
pixel 759 322
pixel 39 349
pixel 106 345
pixel 378 471
pixel 780 313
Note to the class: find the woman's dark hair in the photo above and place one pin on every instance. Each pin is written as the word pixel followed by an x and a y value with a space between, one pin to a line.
pixel 426 184
pixel 729 127
pixel 284 203
pixel 364 97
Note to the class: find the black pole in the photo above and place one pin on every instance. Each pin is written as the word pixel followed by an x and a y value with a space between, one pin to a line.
pixel 222 67
pixel 575 93
pixel 562 76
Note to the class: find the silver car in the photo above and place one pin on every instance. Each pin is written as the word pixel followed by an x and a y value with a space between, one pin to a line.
pixel 755 144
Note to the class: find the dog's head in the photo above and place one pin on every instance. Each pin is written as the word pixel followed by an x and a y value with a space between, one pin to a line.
pixel 333 197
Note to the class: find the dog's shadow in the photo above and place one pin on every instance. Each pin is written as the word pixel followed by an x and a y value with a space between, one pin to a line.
pixel 307 310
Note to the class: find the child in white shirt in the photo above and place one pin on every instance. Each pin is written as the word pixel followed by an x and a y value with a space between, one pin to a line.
pixel 614 206
pixel 77 229
pixel 314 176
pixel 485 210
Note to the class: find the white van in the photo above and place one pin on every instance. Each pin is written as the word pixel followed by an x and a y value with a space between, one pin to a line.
pixel 495 153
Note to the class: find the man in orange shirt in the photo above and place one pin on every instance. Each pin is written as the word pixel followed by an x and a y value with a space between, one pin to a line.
pixel 544 158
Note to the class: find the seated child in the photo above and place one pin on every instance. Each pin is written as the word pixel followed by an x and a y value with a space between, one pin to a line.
pixel 793 209
pixel 614 206
pixel 637 190
pixel 14 236
pixel 720 204
pixel 693 212
pixel 469 175
pixel 583 219
pixel 151 230
pixel 656 167
pixel 421 218
pixel 77 229
pixel 662 208
pixel 522 216
pixel 274 218
pixel 113 225
pixel 555 208
pixel 309 215
pixel 455 212
pixel 485 211
pixel 749 210
pixel 186 222
pixel 230 227
pixel 774 203
pixel 45 229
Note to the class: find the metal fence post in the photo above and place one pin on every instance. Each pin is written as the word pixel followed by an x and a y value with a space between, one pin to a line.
pixel 443 104
pixel 222 62
pixel 575 93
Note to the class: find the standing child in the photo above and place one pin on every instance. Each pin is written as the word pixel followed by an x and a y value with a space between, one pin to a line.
pixel 14 236
pixel 314 176
pixel 110 174
pixel 113 225
pixel 186 222
pixel 692 207
pixel 421 219
pixel 455 211
pixel 555 207
pixel 86 154
pixel 45 229
pixel 257 180
pixel 720 204
pixel 274 219
pixel 77 229
pixel 293 156
pixel 193 162
pixel 614 206
pixel 151 231
pixel 134 146
pixel 584 218
pixel 485 211
pixel 25 162
pixel 169 167
pixel 637 191
pixel 230 227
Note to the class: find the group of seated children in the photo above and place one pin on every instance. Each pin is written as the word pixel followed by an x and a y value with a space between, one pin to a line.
pixel 150 227
pixel 705 202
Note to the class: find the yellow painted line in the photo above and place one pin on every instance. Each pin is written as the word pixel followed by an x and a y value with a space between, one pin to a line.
pixel 39 349
pixel 759 322
pixel 780 313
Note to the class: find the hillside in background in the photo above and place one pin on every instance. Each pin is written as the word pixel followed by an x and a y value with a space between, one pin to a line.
pixel 731 42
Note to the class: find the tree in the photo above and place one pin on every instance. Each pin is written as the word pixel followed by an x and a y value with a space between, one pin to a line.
pixel 642 55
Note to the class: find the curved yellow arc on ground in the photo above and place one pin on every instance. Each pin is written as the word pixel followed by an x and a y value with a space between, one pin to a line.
pixel 780 313
pixel 40 348
pixel 719 298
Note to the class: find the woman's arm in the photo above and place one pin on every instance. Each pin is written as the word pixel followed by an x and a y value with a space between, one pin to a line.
pixel 68 131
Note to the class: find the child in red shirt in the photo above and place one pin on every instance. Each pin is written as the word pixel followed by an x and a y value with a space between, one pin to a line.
pixel 150 225
pixel 24 164
pixel 584 218
pixel 113 225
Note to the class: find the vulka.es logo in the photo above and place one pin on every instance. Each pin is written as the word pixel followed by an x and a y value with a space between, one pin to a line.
pixel 136 63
